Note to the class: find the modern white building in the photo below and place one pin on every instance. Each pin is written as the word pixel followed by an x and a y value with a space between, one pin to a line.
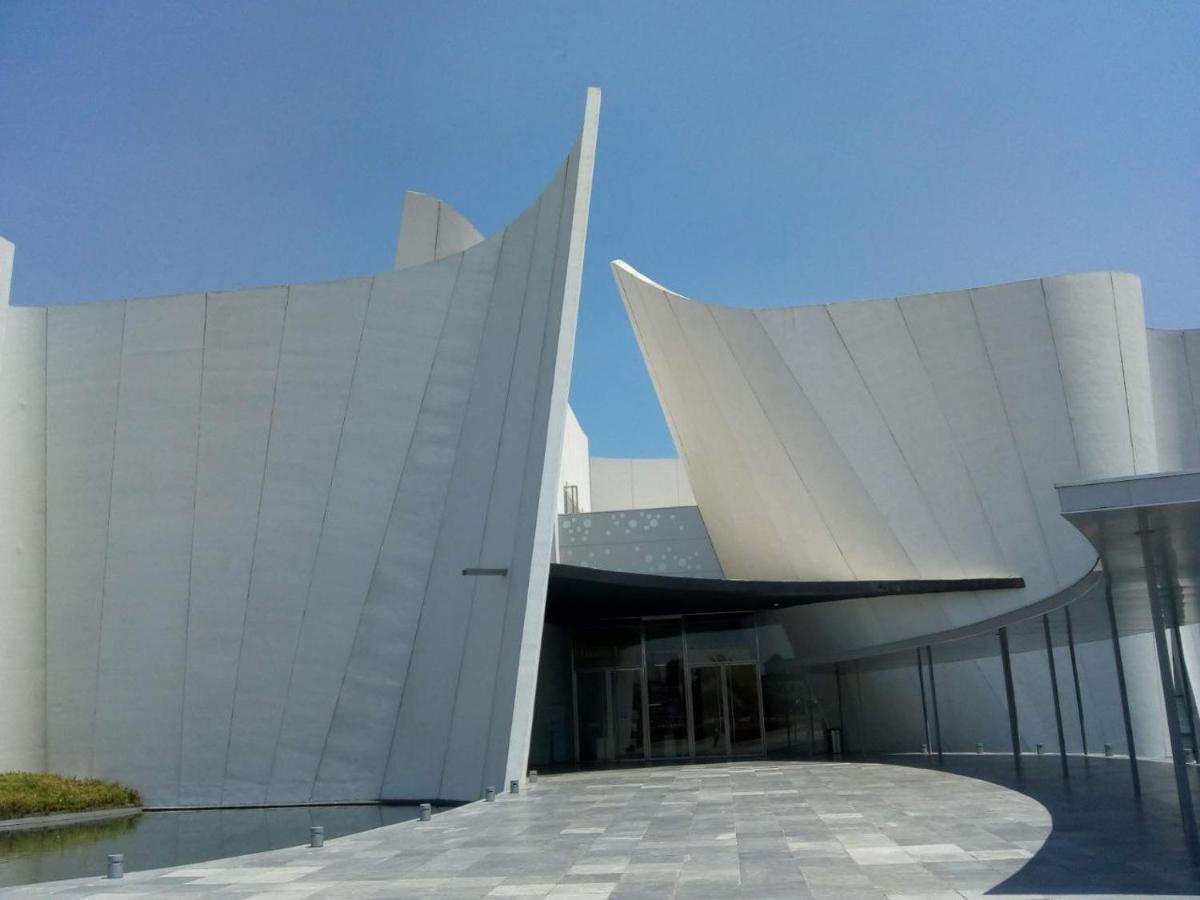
pixel 346 541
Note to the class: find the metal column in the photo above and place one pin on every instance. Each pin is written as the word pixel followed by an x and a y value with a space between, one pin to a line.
pixel 1167 677
pixel 924 709
pixel 937 719
pixel 812 730
pixel 1062 740
pixel 837 679
pixel 1075 676
pixel 1120 664
pixel 1010 694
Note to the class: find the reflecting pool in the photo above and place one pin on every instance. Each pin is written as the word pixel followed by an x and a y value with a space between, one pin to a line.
pixel 156 839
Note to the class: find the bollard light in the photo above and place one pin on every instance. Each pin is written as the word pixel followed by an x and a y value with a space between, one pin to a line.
pixel 925 749
pixel 978 748
pixel 116 865
pixel 426 812
pixel 490 795
pixel 316 836
pixel 533 776
pixel 514 787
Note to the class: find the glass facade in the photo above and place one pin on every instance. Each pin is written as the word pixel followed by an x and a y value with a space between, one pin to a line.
pixel 678 688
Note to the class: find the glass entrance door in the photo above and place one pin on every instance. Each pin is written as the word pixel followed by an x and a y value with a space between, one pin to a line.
pixel 609 715
pixel 726 710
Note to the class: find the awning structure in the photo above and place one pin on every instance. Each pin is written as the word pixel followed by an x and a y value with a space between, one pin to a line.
pixel 1146 529
pixel 577 594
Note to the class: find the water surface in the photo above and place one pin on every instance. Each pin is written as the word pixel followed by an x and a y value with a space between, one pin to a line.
pixel 157 839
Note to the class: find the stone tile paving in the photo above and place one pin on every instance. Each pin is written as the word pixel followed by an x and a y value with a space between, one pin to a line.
pixel 790 829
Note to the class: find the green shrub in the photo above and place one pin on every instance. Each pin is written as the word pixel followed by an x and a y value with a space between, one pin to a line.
pixel 40 793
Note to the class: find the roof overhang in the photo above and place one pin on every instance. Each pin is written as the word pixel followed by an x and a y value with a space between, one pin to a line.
pixel 577 594
pixel 1146 529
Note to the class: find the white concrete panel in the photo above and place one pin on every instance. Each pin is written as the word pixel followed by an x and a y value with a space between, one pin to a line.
pixel 431 230
pixel 83 370
pixel 242 337
pixel 818 359
pixel 405 319
pixel 322 332
pixel 359 741
pixel 512 481
pixel 862 541
pixel 22 532
pixel 1174 404
pixel 882 348
pixel 1135 367
pixel 515 686
pixel 946 333
pixel 612 483
pixel 1089 354
pixel 1016 329
pixel 144 609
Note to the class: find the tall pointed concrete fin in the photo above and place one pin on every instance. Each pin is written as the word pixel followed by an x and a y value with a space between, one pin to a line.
pixel 431 229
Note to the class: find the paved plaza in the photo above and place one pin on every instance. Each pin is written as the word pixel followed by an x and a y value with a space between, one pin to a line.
pixel 795 829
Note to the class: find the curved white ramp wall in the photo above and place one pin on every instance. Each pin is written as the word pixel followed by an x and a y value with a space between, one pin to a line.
pixel 260 504
pixel 919 437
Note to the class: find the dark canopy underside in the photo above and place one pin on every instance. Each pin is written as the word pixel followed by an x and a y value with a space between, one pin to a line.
pixel 577 594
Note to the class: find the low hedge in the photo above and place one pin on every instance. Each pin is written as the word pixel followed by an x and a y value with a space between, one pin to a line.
pixel 42 793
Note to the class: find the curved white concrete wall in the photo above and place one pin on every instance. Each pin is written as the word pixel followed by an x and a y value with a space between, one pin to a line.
pixel 1175 371
pixel 22 530
pixel 918 437
pixel 260 504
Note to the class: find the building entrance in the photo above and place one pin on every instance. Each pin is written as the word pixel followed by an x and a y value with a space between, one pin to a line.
pixel 667 689
pixel 726 710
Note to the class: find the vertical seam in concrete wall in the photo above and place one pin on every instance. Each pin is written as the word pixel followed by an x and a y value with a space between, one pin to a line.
pixel 1133 466
pixel 287 696
pixel 987 352
pixel 996 545
pixel 262 484
pixel 187 622
pixel 107 527
pixel 383 536
pixel 920 489
pixel 1062 382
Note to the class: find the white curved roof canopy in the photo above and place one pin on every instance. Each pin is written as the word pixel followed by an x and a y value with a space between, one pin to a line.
pixel 918 437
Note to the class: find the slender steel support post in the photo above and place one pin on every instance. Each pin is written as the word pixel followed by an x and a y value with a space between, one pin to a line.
pixel 837 677
pixel 924 710
pixel 859 719
pixel 1062 740
pixel 812 727
pixel 937 719
pixel 1011 696
pixel 1167 677
pixel 1075 676
pixel 1120 663
pixel 1185 681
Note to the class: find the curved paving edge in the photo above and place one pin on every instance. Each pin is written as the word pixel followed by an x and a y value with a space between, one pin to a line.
pixel 759 829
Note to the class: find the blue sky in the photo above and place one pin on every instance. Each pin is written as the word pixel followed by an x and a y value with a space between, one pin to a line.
pixel 750 153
